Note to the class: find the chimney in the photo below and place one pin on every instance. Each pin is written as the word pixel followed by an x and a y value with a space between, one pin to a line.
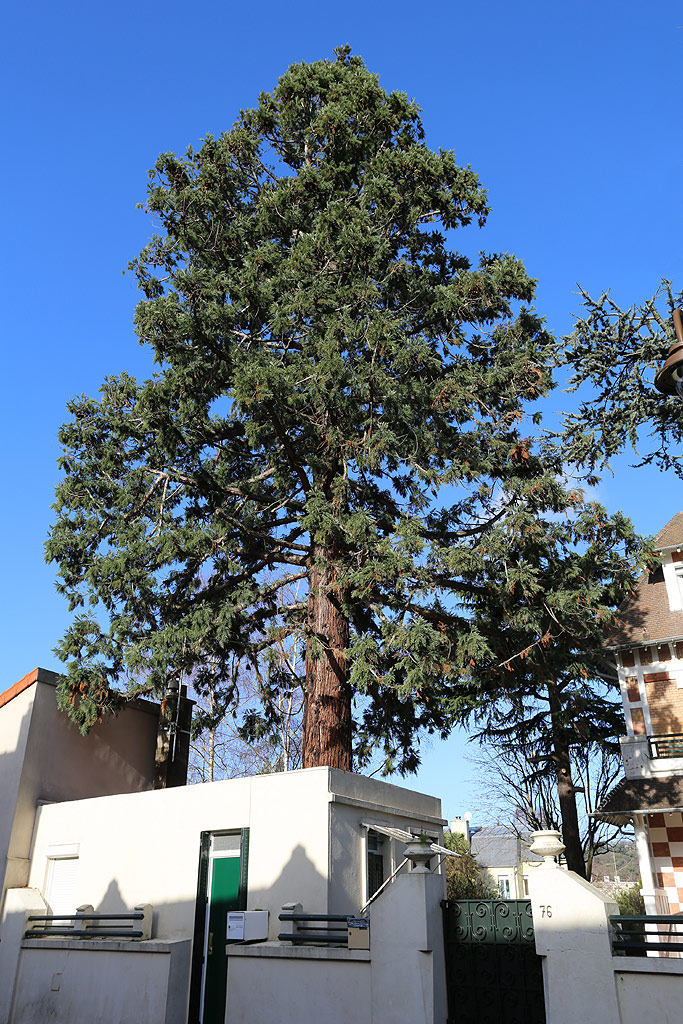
pixel 461 827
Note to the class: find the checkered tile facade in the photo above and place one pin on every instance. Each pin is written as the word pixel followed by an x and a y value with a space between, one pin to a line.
pixel 666 845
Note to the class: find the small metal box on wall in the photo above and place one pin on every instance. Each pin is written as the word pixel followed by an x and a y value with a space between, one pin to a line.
pixel 247 926
pixel 359 933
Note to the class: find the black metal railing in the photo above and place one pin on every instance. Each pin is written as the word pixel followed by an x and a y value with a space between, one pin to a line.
pixel 50 926
pixel 329 929
pixel 639 934
pixel 666 746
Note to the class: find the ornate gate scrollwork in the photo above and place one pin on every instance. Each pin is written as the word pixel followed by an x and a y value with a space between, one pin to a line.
pixel 493 972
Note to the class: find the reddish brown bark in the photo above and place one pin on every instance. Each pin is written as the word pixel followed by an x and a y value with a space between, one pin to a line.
pixel 327 699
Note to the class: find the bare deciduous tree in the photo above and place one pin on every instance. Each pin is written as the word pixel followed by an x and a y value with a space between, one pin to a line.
pixel 520 791
pixel 232 739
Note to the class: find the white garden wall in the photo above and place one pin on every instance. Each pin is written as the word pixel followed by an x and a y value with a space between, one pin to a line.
pixel 101 982
pixel 401 978
pixel 583 981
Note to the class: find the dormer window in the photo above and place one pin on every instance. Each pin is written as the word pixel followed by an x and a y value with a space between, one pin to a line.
pixel 672 567
pixel 678 571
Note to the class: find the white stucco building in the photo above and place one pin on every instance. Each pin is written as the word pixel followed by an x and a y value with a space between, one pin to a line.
pixel 44 759
pixel 81 825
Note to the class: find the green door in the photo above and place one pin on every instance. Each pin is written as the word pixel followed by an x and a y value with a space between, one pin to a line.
pixel 223 897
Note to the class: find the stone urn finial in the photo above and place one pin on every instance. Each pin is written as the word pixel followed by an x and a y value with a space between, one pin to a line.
pixel 418 852
pixel 547 843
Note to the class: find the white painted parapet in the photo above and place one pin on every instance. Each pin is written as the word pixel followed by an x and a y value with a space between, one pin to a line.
pixel 572 931
pixel 636 756
pixel 407 950
pixel 635 753
pixel 101 981
pixel 19 903
pixel 400 979
pixel 279 983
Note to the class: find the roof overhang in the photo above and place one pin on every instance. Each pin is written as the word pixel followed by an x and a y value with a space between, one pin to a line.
pixel 641 796
pixel 631 645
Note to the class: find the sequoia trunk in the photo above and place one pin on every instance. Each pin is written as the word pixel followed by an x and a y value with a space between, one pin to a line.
pixel 327 699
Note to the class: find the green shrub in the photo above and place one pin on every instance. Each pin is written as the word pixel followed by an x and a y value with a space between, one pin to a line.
pixel 465 878
pixel 629 900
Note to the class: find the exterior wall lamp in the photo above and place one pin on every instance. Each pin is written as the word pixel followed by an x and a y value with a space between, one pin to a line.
pixel 669 380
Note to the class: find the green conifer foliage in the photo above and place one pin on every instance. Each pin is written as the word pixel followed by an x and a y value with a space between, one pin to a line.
pixel 546 687
pixel 614 354
pixel 339 410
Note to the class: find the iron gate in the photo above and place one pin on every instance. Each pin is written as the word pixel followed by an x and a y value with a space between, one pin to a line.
pixel 493 972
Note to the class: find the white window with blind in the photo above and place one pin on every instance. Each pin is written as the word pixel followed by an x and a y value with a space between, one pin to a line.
pixel 61 878
pixel 378 853
pixel 382 856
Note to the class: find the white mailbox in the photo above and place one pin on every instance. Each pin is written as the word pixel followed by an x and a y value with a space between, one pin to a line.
pixel 247 926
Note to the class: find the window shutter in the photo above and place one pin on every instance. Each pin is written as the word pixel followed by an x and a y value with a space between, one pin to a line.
pixel 60 891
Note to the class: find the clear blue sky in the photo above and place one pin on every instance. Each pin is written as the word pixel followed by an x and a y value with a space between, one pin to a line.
pixel 569 112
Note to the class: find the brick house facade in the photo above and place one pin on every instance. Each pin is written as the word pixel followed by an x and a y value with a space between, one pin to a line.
pixel 648 650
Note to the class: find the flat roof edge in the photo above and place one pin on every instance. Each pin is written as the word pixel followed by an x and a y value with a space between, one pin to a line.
pixel 50 678
pixel 23 684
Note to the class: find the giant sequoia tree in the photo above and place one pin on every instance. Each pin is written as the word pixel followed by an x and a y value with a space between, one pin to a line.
pixel 339 407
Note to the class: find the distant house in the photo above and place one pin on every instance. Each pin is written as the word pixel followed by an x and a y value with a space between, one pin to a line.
pixel 648 650
pixel 503 853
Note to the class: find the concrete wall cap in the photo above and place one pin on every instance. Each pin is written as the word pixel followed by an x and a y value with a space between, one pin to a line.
pixel 276 950
pixel 106 945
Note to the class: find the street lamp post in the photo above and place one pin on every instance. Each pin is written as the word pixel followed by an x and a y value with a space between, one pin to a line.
pixel 669 380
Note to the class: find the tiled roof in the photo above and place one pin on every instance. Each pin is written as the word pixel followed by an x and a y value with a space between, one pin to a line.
pixel 646 617
pixel 498 848
pixel 671 535
pixel 634 796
